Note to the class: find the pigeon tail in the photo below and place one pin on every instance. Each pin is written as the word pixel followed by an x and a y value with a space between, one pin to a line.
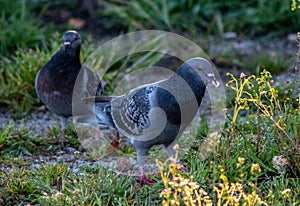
pixel 103 111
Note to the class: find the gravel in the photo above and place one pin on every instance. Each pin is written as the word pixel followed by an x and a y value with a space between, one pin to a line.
pixel 40 123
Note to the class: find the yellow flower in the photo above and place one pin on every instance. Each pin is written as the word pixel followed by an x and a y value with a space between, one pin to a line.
pixel 224 178
pixel 242 75
pixel 255 169
pixel 286 191
pixel 241 160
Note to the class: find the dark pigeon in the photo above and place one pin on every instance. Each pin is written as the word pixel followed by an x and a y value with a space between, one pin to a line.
pixel 55 82
pixel 158 113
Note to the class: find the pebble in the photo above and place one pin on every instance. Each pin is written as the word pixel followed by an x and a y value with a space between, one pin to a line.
pixel 75 170
pixel 246 47
pixel 35 166
pixel 230 35
pixel 70 149
pixel 66 158
pixel 292 38
pixel 39 123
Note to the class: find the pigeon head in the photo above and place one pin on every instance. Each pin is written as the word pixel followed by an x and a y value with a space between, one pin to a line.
pixel 72 40
pixel 204 69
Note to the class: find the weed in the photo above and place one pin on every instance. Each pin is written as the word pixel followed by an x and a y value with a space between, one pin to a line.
pixel 18 29
pixel 17 77
pixel 258 92
pixel 14 143
pixel 251 18
pixel 294 5
pixel 181 190
pixel 70 134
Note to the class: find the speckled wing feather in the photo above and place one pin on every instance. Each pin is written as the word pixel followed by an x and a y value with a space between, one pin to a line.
pixel 131 111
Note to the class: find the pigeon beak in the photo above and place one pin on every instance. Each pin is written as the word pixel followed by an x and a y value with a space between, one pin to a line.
pixel 213 80
pixel 67 44
pixel 216 83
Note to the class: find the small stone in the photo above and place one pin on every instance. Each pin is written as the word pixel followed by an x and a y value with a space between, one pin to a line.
pixel 94 164
pixel 132 161
pixel 80 162
pixel 66 158
pixel 70 149
pixel 246 47
pixel 280 163
pixel 75 170
pixel 230 35
pixel 54 157
pixel 292 38
pixel 35 166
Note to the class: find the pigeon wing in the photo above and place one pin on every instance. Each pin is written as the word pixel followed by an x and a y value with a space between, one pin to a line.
pixel 131 111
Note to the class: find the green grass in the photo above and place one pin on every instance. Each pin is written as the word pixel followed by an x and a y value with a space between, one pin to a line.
pixel 25 142
pixel 247 18
pixel 25 47
pixel 56 185
pixel 17 77
pixel 255 63
pixel 19 29
pixel 241 163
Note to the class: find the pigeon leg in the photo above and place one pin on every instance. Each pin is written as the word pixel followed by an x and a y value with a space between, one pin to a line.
pixel 172 151
pixel 143 179
pixel 62 134
pixel 183 167
pixel 64 123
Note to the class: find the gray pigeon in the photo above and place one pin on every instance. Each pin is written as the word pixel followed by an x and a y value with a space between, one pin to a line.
pixel 158 113
pixel 55 82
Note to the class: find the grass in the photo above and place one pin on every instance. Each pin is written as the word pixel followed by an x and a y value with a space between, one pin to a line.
pixel 255 63
pixel 239 170
pixel 17 76
pixel 217 17
pixel 24 49
pixel 248 19
pixel 18 28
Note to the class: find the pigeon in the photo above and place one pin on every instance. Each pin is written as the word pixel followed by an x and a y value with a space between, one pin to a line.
pixel 55 82
pixel 157 113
